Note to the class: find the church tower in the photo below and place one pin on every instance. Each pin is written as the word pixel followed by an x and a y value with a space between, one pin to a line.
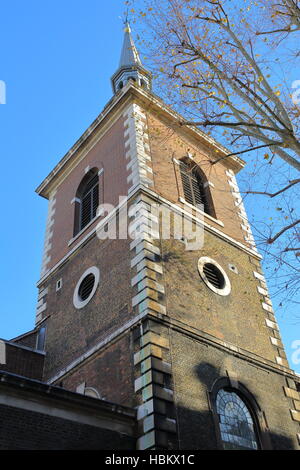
pixel 151 292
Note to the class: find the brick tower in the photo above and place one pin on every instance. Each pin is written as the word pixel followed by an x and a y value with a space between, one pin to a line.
pixel 182 331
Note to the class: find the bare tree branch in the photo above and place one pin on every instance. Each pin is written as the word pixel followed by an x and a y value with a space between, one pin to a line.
pixel 282 231
pixel 271 195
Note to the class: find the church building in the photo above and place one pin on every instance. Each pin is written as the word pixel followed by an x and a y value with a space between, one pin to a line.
pixel 154 325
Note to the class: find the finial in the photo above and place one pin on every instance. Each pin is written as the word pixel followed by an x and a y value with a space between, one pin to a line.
pixel 127 28
pixel 130 65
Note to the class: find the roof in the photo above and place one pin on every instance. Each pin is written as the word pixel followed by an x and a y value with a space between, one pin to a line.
pixel 151 101
pixel 129 54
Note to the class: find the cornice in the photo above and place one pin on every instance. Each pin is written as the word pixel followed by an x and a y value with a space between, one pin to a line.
pixel 111 112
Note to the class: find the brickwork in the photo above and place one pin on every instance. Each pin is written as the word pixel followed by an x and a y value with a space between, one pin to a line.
pixel 108 154
pixel 155 336
pixel 168 146
pixel 28 339
pixel 45 432
pixel 110 372
pixel 157 427
pixel 23 361
pixel 194 375
pixel 36 416
pixel 229 318
pixel 71 332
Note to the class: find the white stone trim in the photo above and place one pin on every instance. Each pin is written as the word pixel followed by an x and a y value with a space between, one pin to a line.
pixel 42 293
pixel 238 201
pixel 144 245
pixel 150 283
pixel 267 307
pixel 262 291
pixel 80 388
pixel 271 324
pixel 227 287
pixel 41 304
pixel 219 222
pixel 75 199
pixel 136 138
pixel 98 124
pixel 63 412
pixel 41 309
pixel 148 233
pixel 2 352
pixel 258 276
pixel 77 302
pixel 280 360
pixel 92 392
pixel 276 342
pixel 208 183
pixel 84 229
pixel 48 234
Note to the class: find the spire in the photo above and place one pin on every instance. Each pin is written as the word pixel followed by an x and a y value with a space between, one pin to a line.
pixel 129 54
pixel 130 65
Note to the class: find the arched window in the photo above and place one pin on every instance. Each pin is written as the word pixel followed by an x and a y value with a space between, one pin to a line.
pixel 87 198
pixel 91 392
pixel 236 423
pixel 193 187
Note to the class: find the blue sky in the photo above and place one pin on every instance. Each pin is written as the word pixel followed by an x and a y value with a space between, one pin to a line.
pixel 56 60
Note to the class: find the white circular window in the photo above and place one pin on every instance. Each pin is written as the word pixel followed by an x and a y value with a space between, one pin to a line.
pixel 214 276
pixel 86 287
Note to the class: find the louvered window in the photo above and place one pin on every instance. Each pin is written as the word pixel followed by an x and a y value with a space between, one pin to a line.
pixel 89 201
pixel 194 191
pixel 86 286
pixel 214 275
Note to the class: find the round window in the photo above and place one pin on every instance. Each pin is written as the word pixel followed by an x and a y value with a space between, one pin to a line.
pixel 214 276
pixel 86 287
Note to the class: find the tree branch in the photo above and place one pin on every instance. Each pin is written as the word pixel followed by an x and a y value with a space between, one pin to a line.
pixel 271 195
pixel 288 227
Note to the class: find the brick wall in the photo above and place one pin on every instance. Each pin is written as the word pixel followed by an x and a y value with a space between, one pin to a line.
pixel 107 154
pixel 22 361
pixel 238 317
pixel 167 143
pixel 28 339
pixel 110 372
pixel 71 331
pixel 194 375
pixel 26 430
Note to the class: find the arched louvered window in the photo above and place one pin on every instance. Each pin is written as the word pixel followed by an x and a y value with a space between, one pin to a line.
pixel 193 186
pixel 87 200
pixel 236 423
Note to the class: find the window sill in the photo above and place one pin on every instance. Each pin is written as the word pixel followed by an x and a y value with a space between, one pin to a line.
pixel 83 230
pixel 181 199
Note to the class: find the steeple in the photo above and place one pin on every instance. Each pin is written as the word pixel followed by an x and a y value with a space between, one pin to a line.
pixel 130 65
